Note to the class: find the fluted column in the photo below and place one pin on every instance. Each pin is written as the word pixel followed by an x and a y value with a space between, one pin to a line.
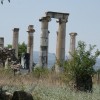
pixel 30 45
pixel 72 42
pixel 43 57
pixel 15 40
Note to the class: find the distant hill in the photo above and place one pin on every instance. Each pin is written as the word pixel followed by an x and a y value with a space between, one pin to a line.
pixel 97 65
pixel 52 59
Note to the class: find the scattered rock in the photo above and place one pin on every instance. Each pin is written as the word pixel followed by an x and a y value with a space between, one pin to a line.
pixel 5 95
pixel 22 95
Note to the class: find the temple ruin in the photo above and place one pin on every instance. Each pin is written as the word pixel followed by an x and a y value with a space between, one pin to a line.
pixel 61 36
pixel 62 19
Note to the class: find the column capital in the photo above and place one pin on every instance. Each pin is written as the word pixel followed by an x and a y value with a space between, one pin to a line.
pixel 73 34
pixel 15 29
pixel 30 29
pixel 62 20
pixel 47 18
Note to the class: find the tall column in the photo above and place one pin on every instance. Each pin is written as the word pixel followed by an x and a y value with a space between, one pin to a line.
pixel 60 47
pixel 1 42
pixel 72 42
pixel 30 45
pixel 15 41
pixel 43 58
pixel 61 38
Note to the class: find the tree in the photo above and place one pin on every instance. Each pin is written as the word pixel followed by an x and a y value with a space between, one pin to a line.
pixel 80 67
pixel 21 48
pixel 3 1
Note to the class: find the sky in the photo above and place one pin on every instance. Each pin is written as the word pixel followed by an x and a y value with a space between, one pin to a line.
pixel 84 19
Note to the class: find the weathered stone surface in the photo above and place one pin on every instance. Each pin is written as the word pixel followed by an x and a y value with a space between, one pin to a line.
pixel 7 53
pixel 43 57
pixel 30 45
pixel 2 42
pixel 15 40
pixel 72 42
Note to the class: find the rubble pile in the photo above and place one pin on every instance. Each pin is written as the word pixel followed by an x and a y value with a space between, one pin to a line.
pixel 7 53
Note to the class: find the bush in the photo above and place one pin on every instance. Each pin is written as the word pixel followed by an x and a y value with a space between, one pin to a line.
pixel 80 66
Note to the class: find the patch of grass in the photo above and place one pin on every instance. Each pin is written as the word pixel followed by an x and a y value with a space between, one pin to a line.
pixel 51 87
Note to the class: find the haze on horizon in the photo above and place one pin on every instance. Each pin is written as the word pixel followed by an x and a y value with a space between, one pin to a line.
pixel 84 19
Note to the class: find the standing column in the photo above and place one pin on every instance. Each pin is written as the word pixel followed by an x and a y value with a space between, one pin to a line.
pixel 72 42
pixel 60 47
pixel 43 58
pixel 1 42
pixel 15 41
pixel 30 45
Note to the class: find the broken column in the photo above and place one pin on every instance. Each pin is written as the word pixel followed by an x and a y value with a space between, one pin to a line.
pixel 2 42
pixel 15 40
pixel 43 58
pixel 30 45
pixel 72 42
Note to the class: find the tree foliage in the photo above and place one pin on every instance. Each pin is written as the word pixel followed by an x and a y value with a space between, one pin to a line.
pixel 80 66
pixel 22 47
pixel 83 60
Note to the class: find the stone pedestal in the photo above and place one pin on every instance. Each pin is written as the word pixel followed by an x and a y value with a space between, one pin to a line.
pixel 6 64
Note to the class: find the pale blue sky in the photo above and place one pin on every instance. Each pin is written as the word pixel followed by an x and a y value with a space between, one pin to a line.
pixel 84 19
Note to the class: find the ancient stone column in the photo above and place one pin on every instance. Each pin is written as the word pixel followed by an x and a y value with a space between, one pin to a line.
pixel 60 46
pixel 1 42
pixel 72 42
pixel 30 45
pixel 15 40
pixel 43 57
pixel 61 38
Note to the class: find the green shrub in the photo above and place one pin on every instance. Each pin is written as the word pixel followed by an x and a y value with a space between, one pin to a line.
pixel 80 66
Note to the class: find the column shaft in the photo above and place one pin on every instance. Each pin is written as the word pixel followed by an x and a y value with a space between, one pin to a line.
pixel 72 42
pixel 43 58
pixel 1 42
pixel 15 40
pixel 60 46
pixel 30 45
pixel 61 38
